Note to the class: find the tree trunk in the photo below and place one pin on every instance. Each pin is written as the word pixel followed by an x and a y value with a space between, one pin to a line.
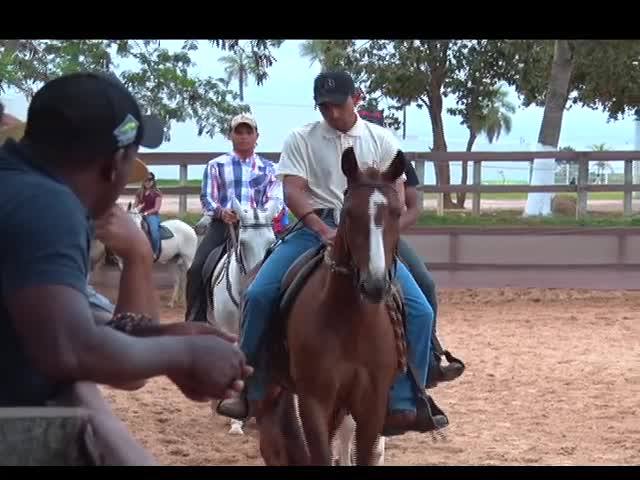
pixel 557 94
pixel 462 196
pixel 555 102
pixel 404 123
pixel 241 77
pixel 443 175
pixel 241 82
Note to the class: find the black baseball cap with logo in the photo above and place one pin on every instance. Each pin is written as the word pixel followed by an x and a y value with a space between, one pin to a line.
pixel 333 87
pixel 89 112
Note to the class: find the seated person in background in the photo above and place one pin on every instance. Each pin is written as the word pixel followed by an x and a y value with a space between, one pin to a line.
pixel 81 138
pixel 148 201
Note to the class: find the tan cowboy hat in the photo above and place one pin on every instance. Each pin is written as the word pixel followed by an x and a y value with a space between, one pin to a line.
pixel 139 172
pixel 12 127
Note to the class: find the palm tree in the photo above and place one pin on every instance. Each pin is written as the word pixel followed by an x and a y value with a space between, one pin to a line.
pixel 238 66
pixel 602 165
pixel 329 54
pixel 490 117
pixel 567 165
pixel 315 51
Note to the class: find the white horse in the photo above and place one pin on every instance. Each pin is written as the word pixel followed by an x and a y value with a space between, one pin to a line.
pixel 178 244
pixel 255 236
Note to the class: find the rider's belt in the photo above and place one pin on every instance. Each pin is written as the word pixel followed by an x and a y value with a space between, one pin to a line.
pixel 325 213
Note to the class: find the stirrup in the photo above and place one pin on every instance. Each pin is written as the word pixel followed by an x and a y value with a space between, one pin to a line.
pixel 429 418
pixel 230 407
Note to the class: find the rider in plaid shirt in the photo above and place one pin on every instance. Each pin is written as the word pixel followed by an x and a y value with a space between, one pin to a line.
pixel 241 174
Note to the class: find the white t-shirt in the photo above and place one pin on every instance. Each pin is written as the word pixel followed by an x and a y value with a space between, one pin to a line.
pixel 314 152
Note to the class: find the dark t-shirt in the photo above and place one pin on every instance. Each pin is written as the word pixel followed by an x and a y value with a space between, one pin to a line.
pixel 149 200
pixel 412 177
pixel 44 240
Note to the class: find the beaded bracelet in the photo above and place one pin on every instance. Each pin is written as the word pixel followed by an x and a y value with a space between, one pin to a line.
pixel 129 323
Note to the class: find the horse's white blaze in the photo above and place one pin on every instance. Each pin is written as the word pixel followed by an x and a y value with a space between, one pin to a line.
pixel 376 242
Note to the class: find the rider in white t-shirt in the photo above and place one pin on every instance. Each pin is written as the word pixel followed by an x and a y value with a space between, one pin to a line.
pixel 314 184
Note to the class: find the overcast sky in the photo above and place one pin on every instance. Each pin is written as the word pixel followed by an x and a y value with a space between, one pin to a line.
pixel 285 101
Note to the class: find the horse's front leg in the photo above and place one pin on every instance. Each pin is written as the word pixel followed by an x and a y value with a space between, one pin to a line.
pixel 369 417
pixel 343 441
pixel 315 414
pixel 176 287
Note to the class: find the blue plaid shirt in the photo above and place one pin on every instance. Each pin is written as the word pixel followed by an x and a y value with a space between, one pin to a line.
pixel 252 181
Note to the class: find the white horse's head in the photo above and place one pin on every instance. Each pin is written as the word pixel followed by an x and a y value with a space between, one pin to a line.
pixel 255 233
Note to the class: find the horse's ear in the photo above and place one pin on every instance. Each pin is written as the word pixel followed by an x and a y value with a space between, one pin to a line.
pixel 129 207
pixel 396 168
pixel 235 206
pixel 350 166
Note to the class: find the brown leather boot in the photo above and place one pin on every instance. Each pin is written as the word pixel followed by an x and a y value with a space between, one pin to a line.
pixel 236 407
pixel 427 417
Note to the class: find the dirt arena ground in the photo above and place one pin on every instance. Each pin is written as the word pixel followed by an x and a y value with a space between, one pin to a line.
pixel 553 378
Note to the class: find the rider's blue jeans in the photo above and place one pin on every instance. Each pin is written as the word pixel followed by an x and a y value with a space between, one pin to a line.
pixel 262 297
pixel 154 231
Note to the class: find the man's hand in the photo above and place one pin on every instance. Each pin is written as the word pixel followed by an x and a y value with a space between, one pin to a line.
pixel 118 231
pixel 228 216
pixel 328 235
pixel 215 369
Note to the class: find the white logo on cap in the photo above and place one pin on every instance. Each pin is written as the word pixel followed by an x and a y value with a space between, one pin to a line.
pixel 329 83
pixel 126 132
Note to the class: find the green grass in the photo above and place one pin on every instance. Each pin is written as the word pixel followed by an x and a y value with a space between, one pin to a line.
pixel 174 183
pixel 502 218
pixel 486 196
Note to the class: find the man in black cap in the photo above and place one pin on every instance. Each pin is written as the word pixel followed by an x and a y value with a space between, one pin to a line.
pixel 80 142
pixel 314 192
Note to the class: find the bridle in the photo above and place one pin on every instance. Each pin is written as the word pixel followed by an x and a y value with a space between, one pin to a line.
pixel 351 268
pixel 237 252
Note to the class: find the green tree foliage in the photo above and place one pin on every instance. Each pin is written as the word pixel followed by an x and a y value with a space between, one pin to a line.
pixel 163 81
pixel 424 72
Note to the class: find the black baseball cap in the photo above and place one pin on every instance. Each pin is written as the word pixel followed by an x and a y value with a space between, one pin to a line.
pixel 333 87
pixel 91 110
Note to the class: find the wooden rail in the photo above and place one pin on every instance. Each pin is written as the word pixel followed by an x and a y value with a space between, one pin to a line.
pixel 80 429
pixel 582 186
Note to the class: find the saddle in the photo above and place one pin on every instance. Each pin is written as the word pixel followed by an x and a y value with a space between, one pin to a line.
pixel 165 234
pixel 296 276
pixel 212 261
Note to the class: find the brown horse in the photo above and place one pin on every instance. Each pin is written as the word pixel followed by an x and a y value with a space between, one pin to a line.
pixel 345 344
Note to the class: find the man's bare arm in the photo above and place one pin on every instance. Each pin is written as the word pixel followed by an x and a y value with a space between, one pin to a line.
pixel 410 215
pixel 298 199
pixel 136 293
pixel 57 329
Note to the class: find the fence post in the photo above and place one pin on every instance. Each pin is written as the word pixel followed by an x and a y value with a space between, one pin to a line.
pixel 477 181
pixel 420 173
pixel 628 181
pixel 182 202
pixel 583 181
